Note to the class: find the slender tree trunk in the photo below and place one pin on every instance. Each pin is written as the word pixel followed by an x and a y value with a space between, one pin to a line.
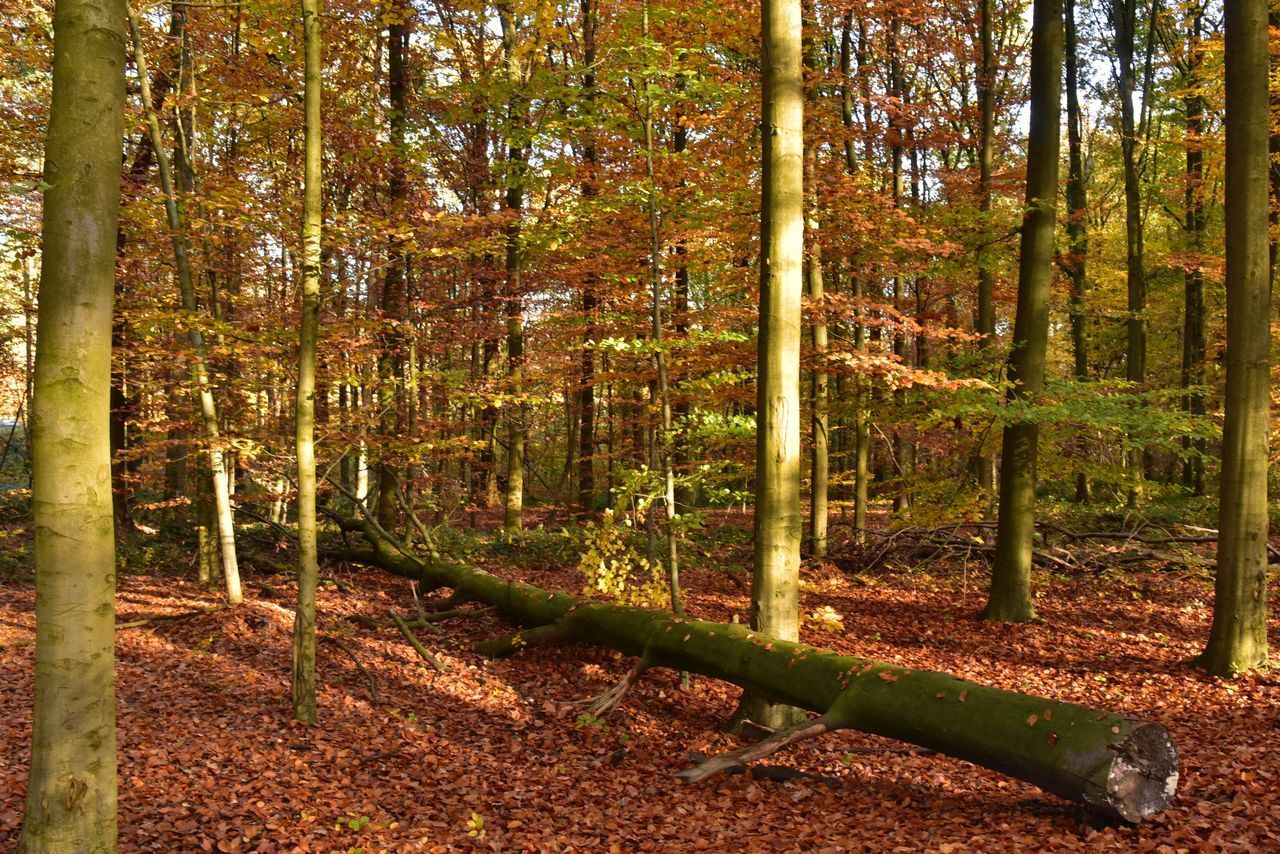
pixel 897 137
pixel 861 416
pixel 661 393
pixel 587 376
pixel 1238 639
pixel 304 624
pixel 1193 334
pixel 71 784
pixel 200 365
pixel 1010 597
pixel 1124 23
pixel 1077 237
pixel 820 462
pixel 391 361
pixel 986 316
pixel 778 526
pixel 517 412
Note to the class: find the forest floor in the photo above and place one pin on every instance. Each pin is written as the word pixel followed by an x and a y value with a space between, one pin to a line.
pixel 495 755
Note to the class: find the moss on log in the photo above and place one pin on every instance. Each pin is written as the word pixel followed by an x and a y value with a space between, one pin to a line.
pixel 1114 765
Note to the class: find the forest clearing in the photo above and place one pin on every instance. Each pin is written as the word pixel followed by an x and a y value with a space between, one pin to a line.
pixel 559 425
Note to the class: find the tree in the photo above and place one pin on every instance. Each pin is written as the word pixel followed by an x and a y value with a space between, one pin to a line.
pixel 819 421
pixel 1124 22
pixel 517 413
pixel 1114 765
pixel 1077 204
pixel 391 363
pixel 71 786
pixel 1238 637
pixel 304 625
pixel 217 469
pixel 776 570
pixel 1010 597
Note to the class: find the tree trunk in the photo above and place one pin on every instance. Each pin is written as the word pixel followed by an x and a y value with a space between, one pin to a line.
pixel 1193 336
pixel 1010 597
pixel 661 394
pixel 1114 765
pixel 820 467
pixel 1238 639
pixel 391 361
pixel 517 411
pixel 587 377
pixel 1077 237
pixel 861 417
pixel 200 365
pixel 776 570
pixel 71 785
pixel 985 324
pixel 304 624
pixel 1123 15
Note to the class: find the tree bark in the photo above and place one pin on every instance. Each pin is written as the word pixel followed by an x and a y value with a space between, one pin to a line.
pixel 304 624
pixel 1238 638
pixel 1114 765
pixel 778 527
pixel 71 784
pixel 1010 596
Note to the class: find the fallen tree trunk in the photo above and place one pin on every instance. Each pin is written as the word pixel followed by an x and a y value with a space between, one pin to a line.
pixel 1115 765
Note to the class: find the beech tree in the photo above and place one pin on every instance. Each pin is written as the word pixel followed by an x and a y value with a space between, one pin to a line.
pixel 775 578
pixel 1010 596
pixel 1238 638
pixel 71 786
pixel 304 626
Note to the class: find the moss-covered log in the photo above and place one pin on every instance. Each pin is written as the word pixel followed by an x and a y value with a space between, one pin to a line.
pixel 1112 764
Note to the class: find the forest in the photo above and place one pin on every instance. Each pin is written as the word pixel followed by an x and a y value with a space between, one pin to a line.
pixel 651 425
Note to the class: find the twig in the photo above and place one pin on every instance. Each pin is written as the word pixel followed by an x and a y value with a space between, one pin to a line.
pixel 164 618
pixel 373 685
pixel 415 643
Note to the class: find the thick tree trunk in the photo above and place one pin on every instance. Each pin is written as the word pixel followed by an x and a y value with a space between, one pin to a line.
pixel 1238 639
pixel 304 624
pixel 1010 598
pixel 71 785
pixel 778 526
pixel 1112 764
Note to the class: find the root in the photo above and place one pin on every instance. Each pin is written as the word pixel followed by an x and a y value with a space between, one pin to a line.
pixel 373 685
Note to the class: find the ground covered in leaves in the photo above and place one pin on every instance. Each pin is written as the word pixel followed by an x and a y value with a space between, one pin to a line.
pixel 496 755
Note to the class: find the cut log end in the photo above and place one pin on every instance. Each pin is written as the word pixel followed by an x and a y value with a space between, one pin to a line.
pixel 1144 774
